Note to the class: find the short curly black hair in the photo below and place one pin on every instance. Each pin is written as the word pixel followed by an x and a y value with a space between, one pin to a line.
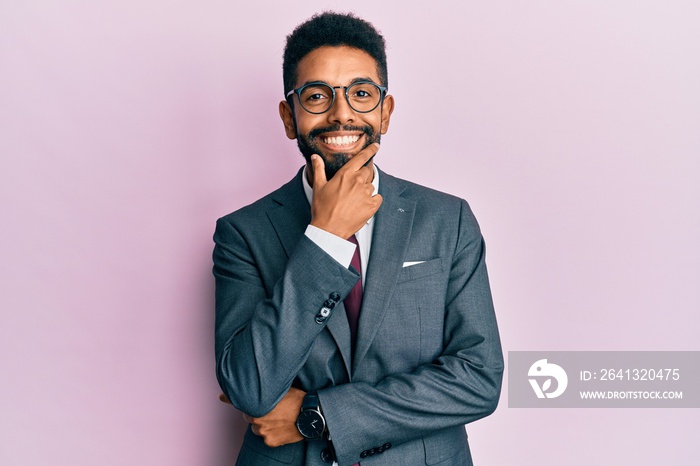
pixel 334 29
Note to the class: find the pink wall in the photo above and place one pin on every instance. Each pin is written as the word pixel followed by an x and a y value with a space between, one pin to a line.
pixel 127 128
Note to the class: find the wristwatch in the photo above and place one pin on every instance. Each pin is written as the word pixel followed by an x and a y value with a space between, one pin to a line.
pixel 311 423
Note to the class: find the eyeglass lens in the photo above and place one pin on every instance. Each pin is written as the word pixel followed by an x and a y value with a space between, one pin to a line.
pixel 318 98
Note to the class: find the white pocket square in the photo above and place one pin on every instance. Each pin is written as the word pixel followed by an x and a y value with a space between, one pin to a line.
pixel 410 263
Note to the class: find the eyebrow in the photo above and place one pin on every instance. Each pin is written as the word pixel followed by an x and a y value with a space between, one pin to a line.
pixel 354 81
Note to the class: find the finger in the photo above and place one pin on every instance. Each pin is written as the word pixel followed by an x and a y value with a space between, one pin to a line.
pixel 319 171
pixel 255 429
pixel 361 158
pixel 366 174
pixel 248 419
pixel 224 399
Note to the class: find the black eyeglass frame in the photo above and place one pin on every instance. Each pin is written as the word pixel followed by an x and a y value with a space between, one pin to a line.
pixel 297 91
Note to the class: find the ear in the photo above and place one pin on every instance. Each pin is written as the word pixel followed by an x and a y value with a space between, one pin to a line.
pixel 387 110
pixel 288 119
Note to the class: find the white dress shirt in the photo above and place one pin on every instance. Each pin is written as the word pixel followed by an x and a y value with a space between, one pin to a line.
pixel 339 248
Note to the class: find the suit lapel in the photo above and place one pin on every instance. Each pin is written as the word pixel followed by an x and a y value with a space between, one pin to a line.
pixel 292 216
pixel 289 221
pixel 392 231
pixel 339 328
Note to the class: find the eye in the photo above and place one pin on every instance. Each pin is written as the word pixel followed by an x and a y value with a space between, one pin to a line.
pixel 316 96
pixel 362 91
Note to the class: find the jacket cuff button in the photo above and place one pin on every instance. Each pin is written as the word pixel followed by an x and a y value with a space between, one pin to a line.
pixel 326 456
pixel 322 315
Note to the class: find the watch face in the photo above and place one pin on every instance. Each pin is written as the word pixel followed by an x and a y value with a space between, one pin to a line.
pixel 311 424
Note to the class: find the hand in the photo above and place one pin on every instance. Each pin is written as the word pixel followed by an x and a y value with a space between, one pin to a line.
pixel 279 426
pixel 344 204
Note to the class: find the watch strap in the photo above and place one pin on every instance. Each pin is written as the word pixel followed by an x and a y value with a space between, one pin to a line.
pixel 310 401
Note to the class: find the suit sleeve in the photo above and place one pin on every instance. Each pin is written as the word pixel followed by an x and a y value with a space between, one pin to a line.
pixel 263 338
pixel 462 385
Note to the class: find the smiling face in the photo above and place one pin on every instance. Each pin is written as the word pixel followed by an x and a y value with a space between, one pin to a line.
pixel 341 132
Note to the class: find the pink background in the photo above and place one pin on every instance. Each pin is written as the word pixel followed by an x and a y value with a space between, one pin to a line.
pixel 126 129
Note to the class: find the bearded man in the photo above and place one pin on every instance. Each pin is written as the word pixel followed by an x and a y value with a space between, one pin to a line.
pixel 354 319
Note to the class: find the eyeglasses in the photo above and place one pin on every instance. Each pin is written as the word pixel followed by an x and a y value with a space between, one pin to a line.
pixel 318 97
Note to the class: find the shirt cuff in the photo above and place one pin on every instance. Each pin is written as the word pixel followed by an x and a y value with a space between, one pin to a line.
pixel 338 248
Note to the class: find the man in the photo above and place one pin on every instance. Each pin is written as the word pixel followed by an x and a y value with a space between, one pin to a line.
pixel 375 353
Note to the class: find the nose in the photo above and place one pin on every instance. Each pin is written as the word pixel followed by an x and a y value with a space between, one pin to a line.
pixel 341 113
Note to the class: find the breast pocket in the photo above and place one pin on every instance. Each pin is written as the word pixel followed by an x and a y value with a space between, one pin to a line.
pixel 417 271
pixel 417 312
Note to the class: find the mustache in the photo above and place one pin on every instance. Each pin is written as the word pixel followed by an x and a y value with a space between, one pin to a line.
pixel 328 129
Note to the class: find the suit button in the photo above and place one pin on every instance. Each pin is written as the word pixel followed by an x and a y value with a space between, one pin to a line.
pixel 322 315
pixel 334 296
pixel 326 456
pixel 372 451
pixel 386 446
pixel 364 454
pixel 329 303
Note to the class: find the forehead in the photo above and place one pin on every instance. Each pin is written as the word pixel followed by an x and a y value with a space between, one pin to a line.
pixel 337 65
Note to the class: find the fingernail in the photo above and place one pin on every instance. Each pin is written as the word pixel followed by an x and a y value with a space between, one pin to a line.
pixel 314 157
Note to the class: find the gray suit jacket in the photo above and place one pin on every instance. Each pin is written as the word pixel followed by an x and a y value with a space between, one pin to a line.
pixel 428 357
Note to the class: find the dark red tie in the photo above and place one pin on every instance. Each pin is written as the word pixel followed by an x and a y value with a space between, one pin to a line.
pixel 353 301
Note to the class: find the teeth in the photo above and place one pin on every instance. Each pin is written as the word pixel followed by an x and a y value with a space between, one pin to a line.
pixel 341 140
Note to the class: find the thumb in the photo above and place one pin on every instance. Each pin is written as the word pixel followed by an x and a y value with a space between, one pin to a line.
pixel 319 171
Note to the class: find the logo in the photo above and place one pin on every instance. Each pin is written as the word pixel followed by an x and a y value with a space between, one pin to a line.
pixel 547 371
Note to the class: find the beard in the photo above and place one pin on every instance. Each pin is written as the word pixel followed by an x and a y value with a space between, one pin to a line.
pixel 308 145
